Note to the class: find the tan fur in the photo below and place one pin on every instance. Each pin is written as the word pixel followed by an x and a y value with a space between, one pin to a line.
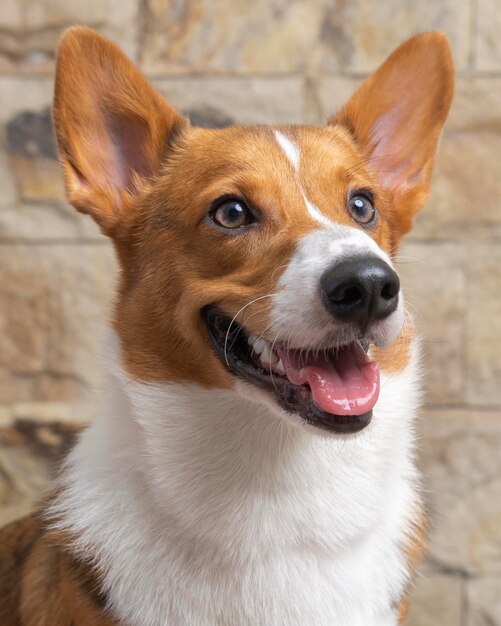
pixel 42 583
pixel 415 550
pixel 148 178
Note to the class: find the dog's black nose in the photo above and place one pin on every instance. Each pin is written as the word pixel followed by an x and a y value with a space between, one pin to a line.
pixel 361 290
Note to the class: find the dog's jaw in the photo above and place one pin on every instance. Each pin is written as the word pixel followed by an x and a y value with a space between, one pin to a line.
pixel 223 508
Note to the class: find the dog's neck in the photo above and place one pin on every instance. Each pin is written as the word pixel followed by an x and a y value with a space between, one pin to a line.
pixel 177 479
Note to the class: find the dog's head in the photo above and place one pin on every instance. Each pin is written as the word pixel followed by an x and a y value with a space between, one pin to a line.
pixel 256 258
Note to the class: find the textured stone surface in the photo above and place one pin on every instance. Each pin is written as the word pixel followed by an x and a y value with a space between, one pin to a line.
pixel 484 602
pixel 33 155
pixel 55 222
pixel 19 94
pixel 52 303
pixel 29 455
pixel 334 91
pixel 487 41
pixel 29 31
pixel 484 325
pixel 462 469
pixel 464 206
pixel 287 61
pixel 284 36
pixel 244 101
pixel 9 195
pixel 476 104
pixel 467 180
pixel 436 601
pixel 433 280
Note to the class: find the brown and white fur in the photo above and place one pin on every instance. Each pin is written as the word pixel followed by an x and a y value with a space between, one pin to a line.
pixel 194 499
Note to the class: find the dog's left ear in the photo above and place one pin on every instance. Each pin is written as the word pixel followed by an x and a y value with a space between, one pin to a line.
pixel 113 128
pixel 397 116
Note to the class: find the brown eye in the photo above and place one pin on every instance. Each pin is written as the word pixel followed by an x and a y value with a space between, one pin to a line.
pixel 232 214
pixel 362 209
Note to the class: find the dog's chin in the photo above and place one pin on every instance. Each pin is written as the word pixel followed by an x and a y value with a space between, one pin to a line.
pixel 266 401
pixel 332 391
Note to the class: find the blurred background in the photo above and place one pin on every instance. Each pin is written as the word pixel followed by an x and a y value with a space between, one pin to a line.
pixel 234 61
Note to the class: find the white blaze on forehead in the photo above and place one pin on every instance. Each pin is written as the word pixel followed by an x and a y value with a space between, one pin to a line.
pixel 291 151
pixel 315 212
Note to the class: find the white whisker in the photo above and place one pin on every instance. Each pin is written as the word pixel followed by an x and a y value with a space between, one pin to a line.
pixel 269 295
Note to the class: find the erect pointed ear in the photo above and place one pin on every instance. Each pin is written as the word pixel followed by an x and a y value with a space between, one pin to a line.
pixel 397 116
pixel 112 127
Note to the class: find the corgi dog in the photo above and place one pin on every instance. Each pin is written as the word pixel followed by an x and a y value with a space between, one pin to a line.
pixel 252 463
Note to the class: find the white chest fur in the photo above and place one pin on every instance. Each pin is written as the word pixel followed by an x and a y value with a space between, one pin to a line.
pixel 205 509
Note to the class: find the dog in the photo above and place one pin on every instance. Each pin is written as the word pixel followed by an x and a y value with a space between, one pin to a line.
pixel 252 463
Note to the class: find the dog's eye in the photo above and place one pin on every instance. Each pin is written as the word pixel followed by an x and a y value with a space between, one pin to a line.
pixel 362 209
pixel 232 214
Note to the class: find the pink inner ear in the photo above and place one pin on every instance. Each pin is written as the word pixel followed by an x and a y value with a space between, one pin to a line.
pixel 391 135
pixel 128 140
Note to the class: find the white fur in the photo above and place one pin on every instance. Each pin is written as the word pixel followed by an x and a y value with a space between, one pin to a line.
pixel 298 316
pixel 289 148
pixel 204 509
pixel 291 151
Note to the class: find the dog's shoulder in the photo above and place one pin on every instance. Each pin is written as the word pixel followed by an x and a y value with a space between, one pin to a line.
pixel 42 582
pixel 16 542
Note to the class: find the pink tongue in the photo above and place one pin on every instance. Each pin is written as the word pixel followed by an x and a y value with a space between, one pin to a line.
pixel 344 383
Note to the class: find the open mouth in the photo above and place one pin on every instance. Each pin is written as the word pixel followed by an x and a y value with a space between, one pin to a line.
pixel 334 389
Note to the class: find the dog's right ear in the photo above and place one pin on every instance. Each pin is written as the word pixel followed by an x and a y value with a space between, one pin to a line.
pixel 112 127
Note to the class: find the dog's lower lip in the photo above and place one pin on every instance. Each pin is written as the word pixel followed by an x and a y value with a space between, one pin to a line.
pixel 230 341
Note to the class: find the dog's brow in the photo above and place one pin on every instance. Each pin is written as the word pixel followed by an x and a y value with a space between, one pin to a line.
pixel 291 151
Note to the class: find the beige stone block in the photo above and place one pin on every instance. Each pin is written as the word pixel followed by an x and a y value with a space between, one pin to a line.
pixel 263 37
pixel 54 222
pixel 484 602
pixel 38 178
pixel 11 13
pixel 436 600
pixel 484 324
pixel 45 412
pixel 8 188
pixel 29 32
pixel 23 93
pixel 5 416
pixel 467 180
pixel 239 100
pixel 475 106
pixel 53 304
pixel 459 454
pixel 334 91
pixel 465 189
pixel 31 147
pixel 487 41
pixel 434 287
pixel 358 36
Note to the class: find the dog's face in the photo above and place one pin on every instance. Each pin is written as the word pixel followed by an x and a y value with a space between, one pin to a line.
pixel 256 258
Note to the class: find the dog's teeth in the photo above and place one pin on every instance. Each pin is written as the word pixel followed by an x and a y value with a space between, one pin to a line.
pixel 279 367
pixel 268 357
pixel 259 346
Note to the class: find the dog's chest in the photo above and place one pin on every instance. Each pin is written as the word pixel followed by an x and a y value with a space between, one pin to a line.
pixel 203 514
pixel 294 589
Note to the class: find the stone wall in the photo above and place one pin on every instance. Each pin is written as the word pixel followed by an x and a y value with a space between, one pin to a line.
pixel 262 61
